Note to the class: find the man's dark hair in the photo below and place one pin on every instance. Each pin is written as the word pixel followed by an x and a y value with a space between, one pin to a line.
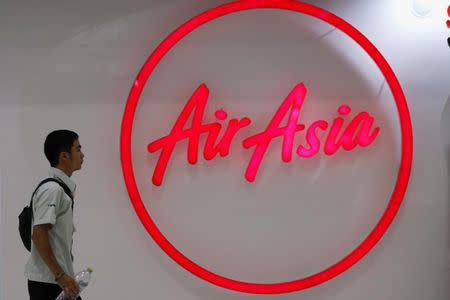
pixel 56 142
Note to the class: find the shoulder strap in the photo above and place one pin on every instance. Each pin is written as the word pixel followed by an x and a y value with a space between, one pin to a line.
pixel 62 184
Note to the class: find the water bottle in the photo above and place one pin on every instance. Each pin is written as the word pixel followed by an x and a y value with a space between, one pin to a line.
pixel 82 278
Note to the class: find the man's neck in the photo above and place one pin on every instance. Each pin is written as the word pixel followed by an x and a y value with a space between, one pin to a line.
pixel 65 170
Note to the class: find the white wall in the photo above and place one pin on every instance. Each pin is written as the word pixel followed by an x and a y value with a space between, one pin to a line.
pixel 71 65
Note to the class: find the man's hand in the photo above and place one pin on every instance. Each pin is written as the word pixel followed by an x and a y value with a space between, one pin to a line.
pixel 69 286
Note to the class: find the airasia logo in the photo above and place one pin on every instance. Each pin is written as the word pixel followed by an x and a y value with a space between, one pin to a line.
pixel 361 131
pixel 358 132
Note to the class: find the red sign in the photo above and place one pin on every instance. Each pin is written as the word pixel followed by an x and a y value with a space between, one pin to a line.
pixel 448 24
pixel 358 132
pixel 448 13
pixel 261 140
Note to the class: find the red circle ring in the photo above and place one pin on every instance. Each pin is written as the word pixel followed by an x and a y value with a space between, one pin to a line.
pixel 396 197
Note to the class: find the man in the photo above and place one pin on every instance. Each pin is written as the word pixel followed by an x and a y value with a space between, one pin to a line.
pixel 49 269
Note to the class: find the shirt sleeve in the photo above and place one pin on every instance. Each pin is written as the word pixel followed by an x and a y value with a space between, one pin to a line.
pixel 45 205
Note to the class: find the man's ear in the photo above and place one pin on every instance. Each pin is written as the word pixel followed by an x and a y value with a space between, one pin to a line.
pixel 63 155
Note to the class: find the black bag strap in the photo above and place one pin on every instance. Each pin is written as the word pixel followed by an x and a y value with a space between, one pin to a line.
pixel 60 182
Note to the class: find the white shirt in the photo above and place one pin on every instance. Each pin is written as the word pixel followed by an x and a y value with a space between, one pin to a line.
pixel 51 205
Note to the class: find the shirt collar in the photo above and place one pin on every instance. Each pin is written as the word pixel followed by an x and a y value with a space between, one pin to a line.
pixel 55 172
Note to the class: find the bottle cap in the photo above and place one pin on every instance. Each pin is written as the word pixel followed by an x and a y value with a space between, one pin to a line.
pixel 90 270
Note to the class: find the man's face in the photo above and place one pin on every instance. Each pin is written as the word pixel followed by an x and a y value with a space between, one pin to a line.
pixel 76 156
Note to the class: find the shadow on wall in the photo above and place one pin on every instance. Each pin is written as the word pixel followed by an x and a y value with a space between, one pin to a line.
pixel 445 134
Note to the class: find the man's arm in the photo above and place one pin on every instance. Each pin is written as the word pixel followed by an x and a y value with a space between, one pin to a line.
pixel 41 242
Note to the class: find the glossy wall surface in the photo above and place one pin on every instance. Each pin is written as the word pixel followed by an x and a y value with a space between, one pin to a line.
pixel 72 64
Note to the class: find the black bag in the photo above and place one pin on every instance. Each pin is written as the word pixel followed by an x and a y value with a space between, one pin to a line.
pixel 26 216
